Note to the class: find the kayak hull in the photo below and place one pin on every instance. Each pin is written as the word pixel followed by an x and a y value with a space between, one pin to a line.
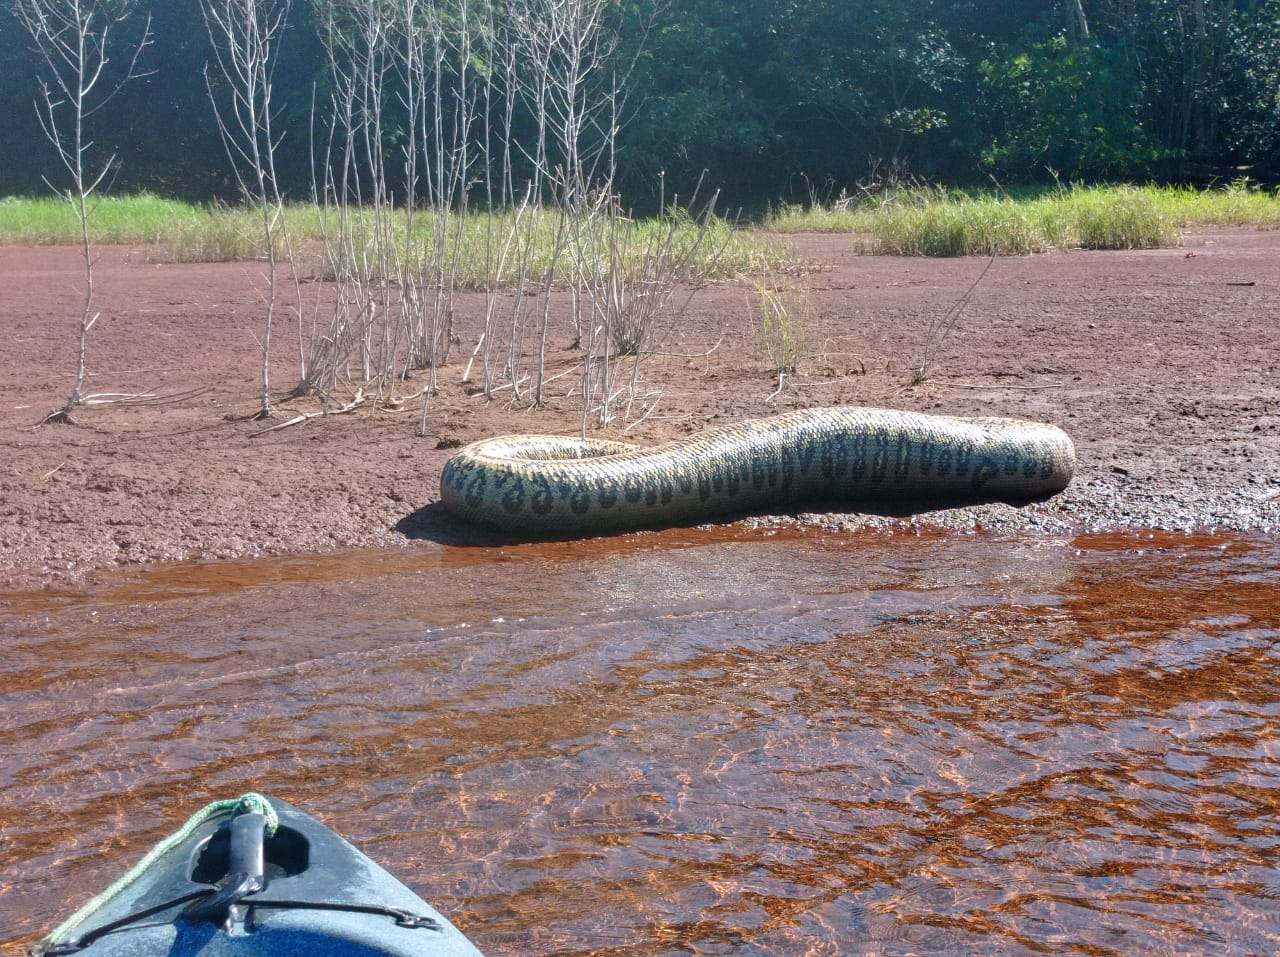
pixel 312 877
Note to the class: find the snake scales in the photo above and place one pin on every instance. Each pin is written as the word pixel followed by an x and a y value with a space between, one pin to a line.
pixel 539 484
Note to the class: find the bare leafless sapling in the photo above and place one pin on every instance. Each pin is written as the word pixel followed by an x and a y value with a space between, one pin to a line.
pixel 75 40
pixel 245 36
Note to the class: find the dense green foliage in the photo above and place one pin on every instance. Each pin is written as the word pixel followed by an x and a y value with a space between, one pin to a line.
pixel 1058 110
pixel 792 97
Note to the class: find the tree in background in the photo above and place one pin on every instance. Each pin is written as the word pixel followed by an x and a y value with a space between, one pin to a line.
pixel 772 96
pixel 1209 65
pixel 1063 108
pixel 1252 105
pixel 791 92
pixel 75 40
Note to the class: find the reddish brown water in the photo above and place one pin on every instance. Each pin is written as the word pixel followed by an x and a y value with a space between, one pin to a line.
pixel 698 743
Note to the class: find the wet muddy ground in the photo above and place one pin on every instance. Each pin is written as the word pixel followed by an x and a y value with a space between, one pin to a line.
pixel 1161 364
pixel 700 742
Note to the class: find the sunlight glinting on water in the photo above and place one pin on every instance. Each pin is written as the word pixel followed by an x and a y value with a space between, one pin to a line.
pixel 846 745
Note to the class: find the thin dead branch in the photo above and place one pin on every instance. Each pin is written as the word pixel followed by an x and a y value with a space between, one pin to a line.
pixel 244 35
pixel 75 40
pixel 351 406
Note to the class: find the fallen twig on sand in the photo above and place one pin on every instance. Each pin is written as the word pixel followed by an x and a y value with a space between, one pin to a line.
pixel 351 406
pixel 996 385
pixel 117 372
pixel 818 383
pixel 778 391
pixel 657 399
pixel 691 355
pixel 141 398
pixel 115 398
pixel 510 385
pixel 524 379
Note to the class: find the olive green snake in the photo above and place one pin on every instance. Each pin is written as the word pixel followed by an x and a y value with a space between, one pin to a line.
pixel 556 485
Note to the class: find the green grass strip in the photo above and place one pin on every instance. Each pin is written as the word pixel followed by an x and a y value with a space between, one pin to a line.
pixel 939 222
pixel 177 232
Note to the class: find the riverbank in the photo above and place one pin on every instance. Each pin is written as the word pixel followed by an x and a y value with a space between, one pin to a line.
pixel 1160 364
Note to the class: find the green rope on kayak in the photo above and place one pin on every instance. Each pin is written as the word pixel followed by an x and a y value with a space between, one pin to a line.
pixel 245 804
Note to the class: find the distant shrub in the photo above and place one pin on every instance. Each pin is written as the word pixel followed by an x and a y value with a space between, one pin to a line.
pixel 933 222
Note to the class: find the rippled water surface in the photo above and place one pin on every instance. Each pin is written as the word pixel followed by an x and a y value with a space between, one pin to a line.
pixel 691 743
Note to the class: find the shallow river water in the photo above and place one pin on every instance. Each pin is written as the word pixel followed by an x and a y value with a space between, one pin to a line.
pixel 706 742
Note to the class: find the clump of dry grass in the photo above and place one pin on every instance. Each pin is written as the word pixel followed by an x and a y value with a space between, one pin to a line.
pixel 785 311
pixel 931 221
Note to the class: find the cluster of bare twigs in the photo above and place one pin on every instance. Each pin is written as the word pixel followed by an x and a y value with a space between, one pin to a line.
pixel 497 122
pixel 514 108
pixel 625 291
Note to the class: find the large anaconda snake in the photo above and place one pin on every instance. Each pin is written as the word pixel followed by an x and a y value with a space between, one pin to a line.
pixel 540 484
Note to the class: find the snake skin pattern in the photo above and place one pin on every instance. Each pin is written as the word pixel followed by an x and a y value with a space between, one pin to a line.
pixel 554 485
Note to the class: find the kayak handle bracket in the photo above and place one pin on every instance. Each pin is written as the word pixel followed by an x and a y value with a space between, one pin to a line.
pixel 246 872
pixel 219 906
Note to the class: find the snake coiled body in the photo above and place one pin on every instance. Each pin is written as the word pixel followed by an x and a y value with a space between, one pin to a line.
pixel 555 485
